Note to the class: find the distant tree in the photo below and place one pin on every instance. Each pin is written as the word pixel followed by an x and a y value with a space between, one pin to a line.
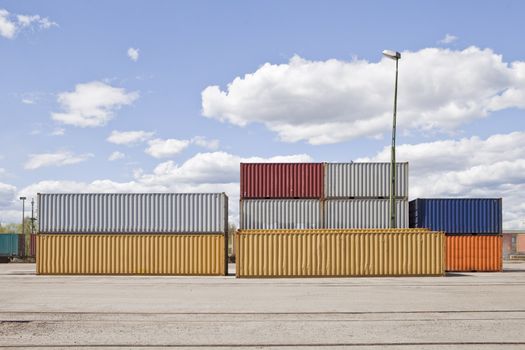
pixel 17 228
pixel 231 236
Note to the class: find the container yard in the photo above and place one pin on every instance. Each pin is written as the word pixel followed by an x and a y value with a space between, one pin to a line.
pixel 315 250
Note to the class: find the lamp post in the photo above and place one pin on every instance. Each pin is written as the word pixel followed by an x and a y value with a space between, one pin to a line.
pixel 32 216
pixel 395 56
pixel 23 199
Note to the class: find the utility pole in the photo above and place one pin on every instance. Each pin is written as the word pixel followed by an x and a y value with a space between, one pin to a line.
pixel 32 216
pixel 395 56
pixel 23 199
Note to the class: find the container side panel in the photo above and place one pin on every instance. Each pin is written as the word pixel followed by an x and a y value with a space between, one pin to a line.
pixel 281 180
pixel 340 254
pixel 343 180
pixel 363 213
pixel 280 214
pixel 78 254
pixel 474 253
pixel 458 215
pixel 9 244
pixel 132 213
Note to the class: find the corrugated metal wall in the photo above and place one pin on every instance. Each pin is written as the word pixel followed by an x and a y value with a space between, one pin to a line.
pixel 280 214
pixel 8 244
pixel 202 254
pixel 458 215
pixel 474 253
pixel 341 253
pixel 343 180
pixel 133 213
pixel 281 180
pixel 363 213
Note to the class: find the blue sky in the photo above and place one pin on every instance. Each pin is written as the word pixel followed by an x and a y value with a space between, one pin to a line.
pixel 312 85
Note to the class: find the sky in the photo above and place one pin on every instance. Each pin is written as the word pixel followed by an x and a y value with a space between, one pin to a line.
pixel 170 96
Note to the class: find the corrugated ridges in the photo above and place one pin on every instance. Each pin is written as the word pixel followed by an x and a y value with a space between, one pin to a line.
pixel 280 214
pixel 458 215
pixel 185 254
pixel 281 180
pixel 363 213
pixel 9 244
pixel 133 213
pixel 340 254
pixel 474 253
pixel 370 180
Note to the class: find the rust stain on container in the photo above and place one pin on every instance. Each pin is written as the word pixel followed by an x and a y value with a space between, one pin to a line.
pixel 125 254
pixel 282 180
pixel 474 253
pixel 325 253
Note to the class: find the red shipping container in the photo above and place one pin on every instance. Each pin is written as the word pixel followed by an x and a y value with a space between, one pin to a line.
pixel 32 246
pixel 21 245
pixel 281 180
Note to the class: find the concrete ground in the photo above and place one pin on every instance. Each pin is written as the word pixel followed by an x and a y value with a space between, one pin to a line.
pixel 460 311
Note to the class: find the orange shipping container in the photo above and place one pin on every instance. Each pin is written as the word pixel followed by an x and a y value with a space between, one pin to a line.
pixel 474 253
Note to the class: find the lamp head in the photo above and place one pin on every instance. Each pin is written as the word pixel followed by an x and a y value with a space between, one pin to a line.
pixel 392 54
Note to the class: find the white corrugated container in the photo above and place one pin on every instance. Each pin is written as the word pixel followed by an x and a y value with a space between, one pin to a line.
pixel 269 214
pixel 133 213
pixel 344 180
pixel 363 213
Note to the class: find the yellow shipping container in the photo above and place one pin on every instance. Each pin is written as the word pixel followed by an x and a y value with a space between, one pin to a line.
pixel 126 254
pixel 325 253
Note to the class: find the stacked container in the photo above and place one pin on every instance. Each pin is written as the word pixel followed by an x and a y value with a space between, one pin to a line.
pixel 154 233
pixel 357 195
pixel 319 219
pixel 473 229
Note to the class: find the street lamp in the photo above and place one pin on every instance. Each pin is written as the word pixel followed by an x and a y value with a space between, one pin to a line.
pixel 395 56
pixel 23 199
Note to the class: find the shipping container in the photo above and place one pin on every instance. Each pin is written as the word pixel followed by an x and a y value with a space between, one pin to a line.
pixel 128 254
pixel 474 253
pixel 363 213
pixel 364 180
pixel 339 253
pixel 8 244
pixel 22 245
pixel 133 213
pixel 32 246
pixel 458 215
pixel 280 214
pixel 281 180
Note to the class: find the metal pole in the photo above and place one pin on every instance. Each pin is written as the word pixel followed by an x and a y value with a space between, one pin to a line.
pixel 32 216
pixel 23 214
pixel 393 161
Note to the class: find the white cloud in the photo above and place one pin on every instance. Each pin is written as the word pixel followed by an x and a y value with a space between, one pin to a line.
pixel 92 104
pixel 448 39
pixel 28 101
pixel 58 132
pixel 202 141
pixel 60 158
pixel 332 101
pixel 116 156
pixel 10 25
pixel 35 20
pixel 129 137
pixel 133 54
pixel 7 194
pixel 160 148
pixel 469 167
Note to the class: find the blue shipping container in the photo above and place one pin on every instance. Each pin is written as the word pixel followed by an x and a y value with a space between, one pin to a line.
pixel 457 215
pixel 8 244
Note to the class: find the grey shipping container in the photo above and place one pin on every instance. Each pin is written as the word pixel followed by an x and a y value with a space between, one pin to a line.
pixel 270 214
pixel 363 213
pixel 133 213
pixel 362 180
